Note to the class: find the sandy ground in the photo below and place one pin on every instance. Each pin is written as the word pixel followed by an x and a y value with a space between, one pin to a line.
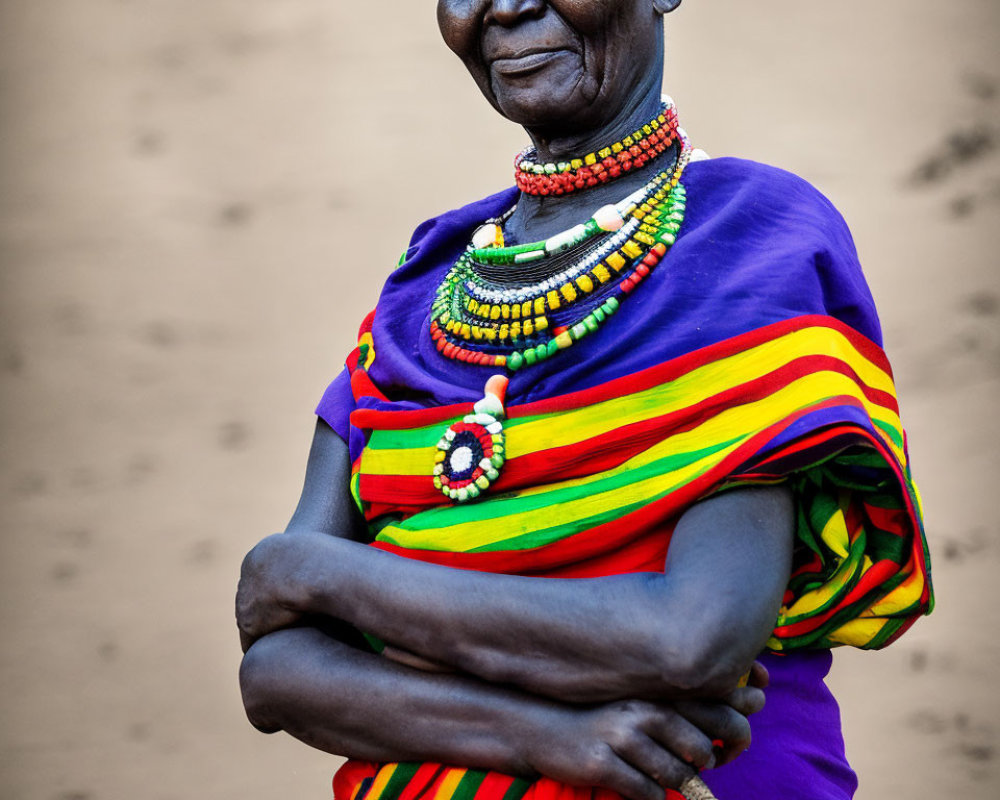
pixel 198 201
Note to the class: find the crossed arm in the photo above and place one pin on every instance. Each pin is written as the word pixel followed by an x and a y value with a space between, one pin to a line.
pixel 621 682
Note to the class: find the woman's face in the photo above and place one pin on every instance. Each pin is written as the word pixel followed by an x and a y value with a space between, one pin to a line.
pixel 557 64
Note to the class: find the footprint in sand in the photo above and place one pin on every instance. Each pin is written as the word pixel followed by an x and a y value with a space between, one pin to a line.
pixel 233 435
pixel 65 572
pixel 973 740
pixel 235 215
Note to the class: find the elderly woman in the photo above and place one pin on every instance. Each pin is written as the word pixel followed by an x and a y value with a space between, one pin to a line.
pixel 615 446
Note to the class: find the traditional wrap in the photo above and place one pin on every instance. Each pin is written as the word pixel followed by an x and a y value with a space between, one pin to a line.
pixel 753 355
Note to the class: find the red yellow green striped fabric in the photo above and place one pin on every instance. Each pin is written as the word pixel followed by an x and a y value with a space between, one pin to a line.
pixel 363 780
pixel 594 480
pixel 410 781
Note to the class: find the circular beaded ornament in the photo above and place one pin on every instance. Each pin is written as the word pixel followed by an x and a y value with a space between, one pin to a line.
pixel 471 453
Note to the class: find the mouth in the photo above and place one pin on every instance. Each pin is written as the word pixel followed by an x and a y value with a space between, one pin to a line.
pixel 527 61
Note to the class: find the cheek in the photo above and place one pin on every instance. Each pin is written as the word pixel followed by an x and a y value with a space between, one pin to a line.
pixel 459 22
pixel 590 17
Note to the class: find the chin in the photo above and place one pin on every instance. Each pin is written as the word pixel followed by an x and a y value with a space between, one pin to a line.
pixel 542 99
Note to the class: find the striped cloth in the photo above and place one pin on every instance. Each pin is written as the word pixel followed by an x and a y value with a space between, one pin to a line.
pixel 591 475
pixel 359 780
pixel 753 357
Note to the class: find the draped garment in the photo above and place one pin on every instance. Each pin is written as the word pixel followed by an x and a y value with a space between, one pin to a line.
pixel 752 355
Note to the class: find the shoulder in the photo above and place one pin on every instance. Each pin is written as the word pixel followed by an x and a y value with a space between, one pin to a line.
pixel 433 248
pixel 775 229
pixel 456 223
pixel 774 195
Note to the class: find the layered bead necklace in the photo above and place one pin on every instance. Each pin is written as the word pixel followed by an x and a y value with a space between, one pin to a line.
pixel 510 307
pixel 601 166
pixel 514 306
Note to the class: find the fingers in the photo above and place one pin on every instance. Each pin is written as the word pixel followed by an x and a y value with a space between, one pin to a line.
pixel 250 592
pixel 746 701
pixel 759 676
pixel 262 594
pixel 657 741
pixel 601 747
pixel 720 722
pixel 606 768
pixel 749 698
pixel 692 746
pixel 655 762
pixel 249 612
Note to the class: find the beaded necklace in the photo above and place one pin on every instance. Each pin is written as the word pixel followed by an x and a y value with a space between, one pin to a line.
pixel 601 166
pixel 555 265
pixel 607 219
pixel 532 300
pixel 478 310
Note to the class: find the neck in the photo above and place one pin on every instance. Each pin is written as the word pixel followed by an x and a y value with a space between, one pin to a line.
pixel 639 108
pixel 538 217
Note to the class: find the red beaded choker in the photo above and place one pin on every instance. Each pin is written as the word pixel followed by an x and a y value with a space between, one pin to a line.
pixel 602 166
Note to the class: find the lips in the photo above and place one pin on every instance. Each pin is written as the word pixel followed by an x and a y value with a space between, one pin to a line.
pixel 527 61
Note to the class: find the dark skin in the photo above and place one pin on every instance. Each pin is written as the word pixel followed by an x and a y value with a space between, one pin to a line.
pixel 315 684
pixel 620 682
pixel 574 86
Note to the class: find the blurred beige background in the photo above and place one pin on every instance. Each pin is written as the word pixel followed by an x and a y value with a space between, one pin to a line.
pixel 198 202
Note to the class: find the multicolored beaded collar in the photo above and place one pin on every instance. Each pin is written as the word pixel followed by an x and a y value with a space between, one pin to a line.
pixel 499 298
pixel 487 303
pixel 601 166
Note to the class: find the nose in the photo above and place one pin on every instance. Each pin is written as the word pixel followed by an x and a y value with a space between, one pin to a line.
pixel 510 12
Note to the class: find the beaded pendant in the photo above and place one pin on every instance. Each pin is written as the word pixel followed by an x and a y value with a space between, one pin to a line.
pixel 470 454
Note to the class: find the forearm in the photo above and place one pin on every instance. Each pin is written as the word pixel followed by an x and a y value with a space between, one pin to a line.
pixel 580 640
pixel 356 704
pixel 691 631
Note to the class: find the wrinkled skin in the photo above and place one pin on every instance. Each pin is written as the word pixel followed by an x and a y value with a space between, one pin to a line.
pixel 621 682
pixel 559 68
pixel 577 74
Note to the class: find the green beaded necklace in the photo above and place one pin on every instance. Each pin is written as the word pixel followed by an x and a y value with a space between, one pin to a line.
pixel 474 316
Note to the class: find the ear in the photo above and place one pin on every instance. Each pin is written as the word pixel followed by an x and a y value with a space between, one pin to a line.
pixel 665 6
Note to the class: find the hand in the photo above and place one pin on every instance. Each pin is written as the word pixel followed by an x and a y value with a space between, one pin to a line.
pixel 636 748
pixel 730 734
pixel 273 589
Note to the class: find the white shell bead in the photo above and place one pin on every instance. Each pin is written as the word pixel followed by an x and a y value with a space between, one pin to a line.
pixel 461 459
pixel 490 404
pixel 608 219
pixel 485 236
